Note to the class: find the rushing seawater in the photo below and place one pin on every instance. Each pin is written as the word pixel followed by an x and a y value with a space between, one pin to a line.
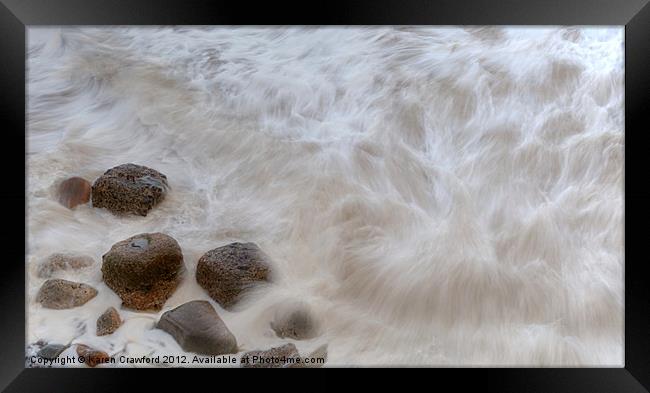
pixel 444 196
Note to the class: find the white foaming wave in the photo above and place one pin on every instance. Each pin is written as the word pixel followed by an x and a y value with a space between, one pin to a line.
pixel 437 195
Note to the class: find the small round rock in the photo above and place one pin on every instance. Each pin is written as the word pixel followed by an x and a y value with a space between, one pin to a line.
pixel 108 322
pixel 74 191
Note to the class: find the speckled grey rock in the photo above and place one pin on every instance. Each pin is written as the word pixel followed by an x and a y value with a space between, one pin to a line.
pixel 197 328
pixel 52 351
pixel 129 189
pixel 227 272
pixel 144 270
pixel 61 294
pixel 108 322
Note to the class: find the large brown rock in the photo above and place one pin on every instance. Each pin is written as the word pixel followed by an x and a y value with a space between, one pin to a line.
pixel 60 262
pixel 278 357
pixel 129 189
pixel 61 294
pixel 197 328
pixel 144 270
pixel 74 191
pixel 108 322
pixel 226 272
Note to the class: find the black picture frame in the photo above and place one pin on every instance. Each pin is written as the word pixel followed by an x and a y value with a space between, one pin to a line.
pixel 17 15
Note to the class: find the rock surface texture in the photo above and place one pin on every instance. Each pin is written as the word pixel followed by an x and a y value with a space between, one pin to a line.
pixel 294 320
pixel 285 356
pixel 60 262
pixel 52 351
pixel 197 328
pixel 108 322
pixel 227 272
pixel 278 357
pixel 129 189
pixel 144 270
pixel 92 356
pixel 62 294
pixel 74 191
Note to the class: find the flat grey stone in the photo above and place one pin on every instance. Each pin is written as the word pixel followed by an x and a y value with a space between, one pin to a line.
pixel 197 328
pixel 51 351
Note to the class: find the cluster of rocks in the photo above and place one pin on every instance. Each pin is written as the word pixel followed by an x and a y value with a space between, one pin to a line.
pixel 145 270
pixel 124 189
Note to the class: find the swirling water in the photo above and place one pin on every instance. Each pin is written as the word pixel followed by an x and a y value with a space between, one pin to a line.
pixel 438 196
